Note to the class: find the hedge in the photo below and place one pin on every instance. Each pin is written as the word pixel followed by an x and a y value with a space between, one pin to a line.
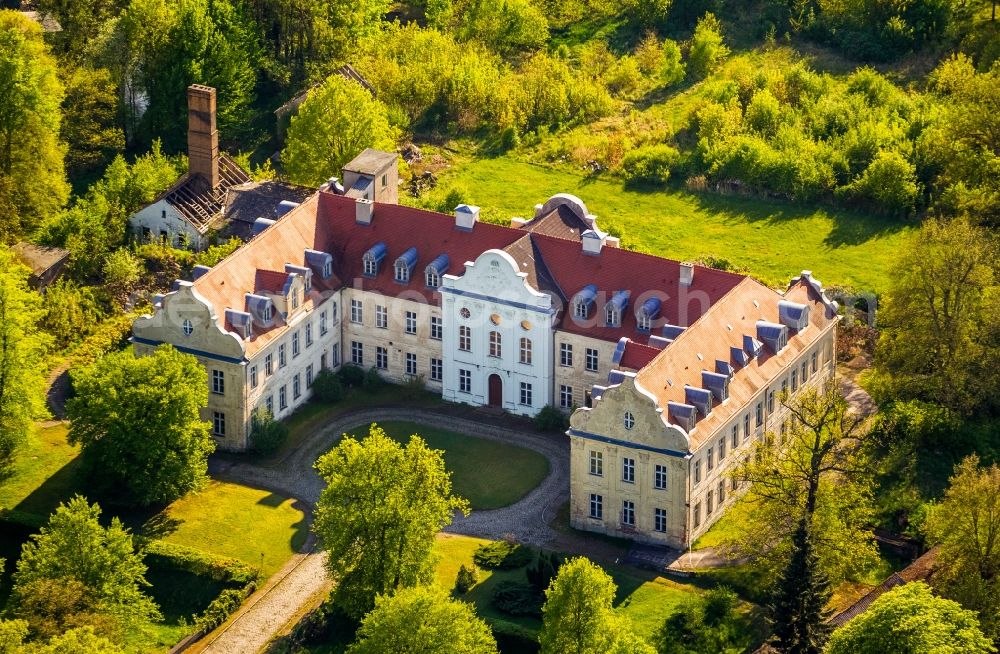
pixel 218 568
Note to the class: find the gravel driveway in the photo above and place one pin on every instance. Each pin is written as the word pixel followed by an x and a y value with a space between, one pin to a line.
pixel 302 582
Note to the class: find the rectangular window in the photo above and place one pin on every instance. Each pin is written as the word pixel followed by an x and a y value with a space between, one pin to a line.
pixel 628 470
pixel 697 515
pixel 296 387
pixel 322 323
pixel 596 507
pixel 465 338
pixel 253 376
pixel 746 427
pixel 805 372
pixel 282 360
pixel 722 449
pixel 814 367
pixel 659 477
pixel 565 354
pixel 660 520
pixel 411 363
pixel 282 399
pixel 268 364
pixel 697 471
pixel 436 328
pixel 309 334
pixel 760 414
pixel 596 463
pixel 710 460
pixel 381 317
pixel 381 358
pixel 333 313
pixel 309 376
pixel 218 423
pixel 526 394
pixel 736 436
pixel 628 513
pixel 269 404
pixel 721 492
pixel 357 312
pixel 526 351
pixel 295 345
pixel 709 503
pixel 411 322
pixel 218 382
pixel 770 402
pixel 591 359
pixel 795 380
pixel 496 343
pixel 357 353
pixel 565 396
pixel 436 370
pixel 334 355
pixel 465 381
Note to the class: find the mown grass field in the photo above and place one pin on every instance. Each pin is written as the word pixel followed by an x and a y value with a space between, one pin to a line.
pixel 487 473
pixel 43 474
pixel 774 241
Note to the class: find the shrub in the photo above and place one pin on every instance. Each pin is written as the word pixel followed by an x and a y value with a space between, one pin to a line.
pixel 517 598
pixel 513 637
pixel 163 555
pixel 707 47
pixel 327 387
pixel 503 555
pixel 351 375
pixel 467 577
pixel 509 139
pixel 551 419
pixel 649 164
pixel 373 380
pixel 540 574
pixel 220 609
pixel 266 433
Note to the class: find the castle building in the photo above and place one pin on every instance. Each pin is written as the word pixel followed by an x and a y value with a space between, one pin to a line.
pixel 670 369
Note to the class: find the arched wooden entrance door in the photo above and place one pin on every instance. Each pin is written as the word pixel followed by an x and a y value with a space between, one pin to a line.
pixel 496 390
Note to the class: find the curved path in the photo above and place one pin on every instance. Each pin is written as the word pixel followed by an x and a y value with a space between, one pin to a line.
pixel 527 520
pixel 302 583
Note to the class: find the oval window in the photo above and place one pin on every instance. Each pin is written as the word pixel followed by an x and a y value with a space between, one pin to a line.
pixel 465 313
pixel 188 327
pixel 629 420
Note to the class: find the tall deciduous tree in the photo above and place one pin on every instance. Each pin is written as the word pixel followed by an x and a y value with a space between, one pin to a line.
pixel 911 620
pixel 32 178
pixel 338 120
pixel 708 48
pixel 578 617
pixel 137 419
pixel 966 525
pixel 377 518
pixel 802 592
pixel 938 342
pixel 90 118
pixel 812 471
pixel 22 346
pixel 74 549
pixel 80 20
pixel 423 620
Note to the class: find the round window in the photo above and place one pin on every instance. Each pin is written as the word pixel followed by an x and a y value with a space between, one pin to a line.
pixel 188 327
pixel 465 313
pixel 629 420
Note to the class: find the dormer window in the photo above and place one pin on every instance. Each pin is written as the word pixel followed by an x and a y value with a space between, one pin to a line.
pixel 404 265
pixel 583 301
pixel 435 269
pixel 266 312
pixel 327 268
pixel 433 279
pixel 647 313
pixel 295 299
pixel 613 309
pixel 373 258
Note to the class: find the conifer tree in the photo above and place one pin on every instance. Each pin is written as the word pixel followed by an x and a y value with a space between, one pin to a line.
pixel 799 606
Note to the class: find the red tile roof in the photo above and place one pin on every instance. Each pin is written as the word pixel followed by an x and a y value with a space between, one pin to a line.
pixel 326 222
pixel 270 280
pixel 636 355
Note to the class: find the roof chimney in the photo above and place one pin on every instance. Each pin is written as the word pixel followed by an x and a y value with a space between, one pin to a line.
pixel 466 216
pixel 592 242
pixel 364 209
pixel 687 273
pixel 203 138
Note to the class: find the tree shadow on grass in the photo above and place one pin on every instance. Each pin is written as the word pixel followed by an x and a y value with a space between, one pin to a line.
pixel 160 526
pixel 57 488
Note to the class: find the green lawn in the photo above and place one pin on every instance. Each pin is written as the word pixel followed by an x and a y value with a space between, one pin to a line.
pixel 774 241
pixel 235 521
pixel 646 598
pixel 43 474
pixel 487 473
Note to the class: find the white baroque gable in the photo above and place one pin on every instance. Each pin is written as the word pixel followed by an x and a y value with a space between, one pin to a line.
pixel 187 306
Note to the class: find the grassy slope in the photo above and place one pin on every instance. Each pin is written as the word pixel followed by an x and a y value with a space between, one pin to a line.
pixel 774 241
pixel 236 521
pixel 487 473
pixel 43 474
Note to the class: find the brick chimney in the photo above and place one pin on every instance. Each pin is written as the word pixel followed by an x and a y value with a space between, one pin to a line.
pixel 203 138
